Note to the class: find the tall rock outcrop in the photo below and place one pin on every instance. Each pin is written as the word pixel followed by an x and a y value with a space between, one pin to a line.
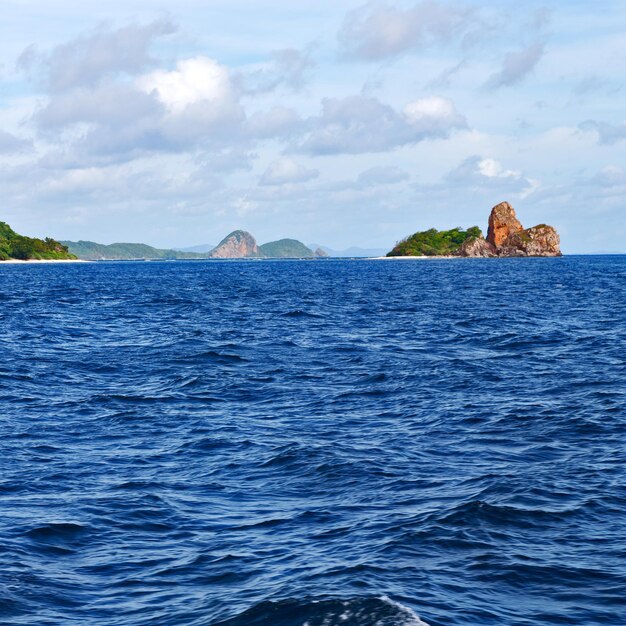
pixel 502 224
pixel 238 245
pixel 506 237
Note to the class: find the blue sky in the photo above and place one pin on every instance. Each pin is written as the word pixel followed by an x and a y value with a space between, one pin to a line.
pixel 343 123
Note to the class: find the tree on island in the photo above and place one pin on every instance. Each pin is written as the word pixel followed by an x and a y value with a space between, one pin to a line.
pixel 434 242
pixel 14 246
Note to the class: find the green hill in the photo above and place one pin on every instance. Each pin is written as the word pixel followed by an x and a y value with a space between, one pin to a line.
pixel 239 244
pixel 434 242
pixel 286 248
pixel 91 251
pixel 14 246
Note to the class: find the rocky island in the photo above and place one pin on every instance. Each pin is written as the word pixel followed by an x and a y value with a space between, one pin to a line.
pixel 240 244
pixel 506 237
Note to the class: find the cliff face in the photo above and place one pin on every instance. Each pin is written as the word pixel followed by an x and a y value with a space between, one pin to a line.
pixel 238 245
pixel 477 247
pixel 506 237
pixel 539 240
pixel 502 224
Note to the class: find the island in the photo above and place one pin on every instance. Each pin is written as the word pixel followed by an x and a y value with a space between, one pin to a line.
pixel 92 251
pixel 506 237
pixel 239 244
pixel 21 248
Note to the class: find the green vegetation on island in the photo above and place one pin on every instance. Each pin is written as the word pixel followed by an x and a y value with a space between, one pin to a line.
pixel 286 248
pixel 237 245
pixel 240 244
pixel 14 246
pixel 434 242
pixel 91 251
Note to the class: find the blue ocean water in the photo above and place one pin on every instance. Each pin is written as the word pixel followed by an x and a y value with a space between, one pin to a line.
pixel 321 443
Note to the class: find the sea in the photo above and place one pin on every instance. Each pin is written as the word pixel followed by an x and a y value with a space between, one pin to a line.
pixel 314 443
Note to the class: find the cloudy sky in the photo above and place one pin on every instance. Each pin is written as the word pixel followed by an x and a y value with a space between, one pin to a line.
pixel 337 122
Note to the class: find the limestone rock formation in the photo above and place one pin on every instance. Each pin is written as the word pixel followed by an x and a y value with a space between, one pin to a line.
pixel 477 247
pixel 238 245
pixel 320 253
pixel 506 237
pixel 502 224
pixel 542 240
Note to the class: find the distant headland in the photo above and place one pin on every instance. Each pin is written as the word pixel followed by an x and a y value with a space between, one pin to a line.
pixel 506 237
pixel 239 244
pixel 15 247
pixel 242 245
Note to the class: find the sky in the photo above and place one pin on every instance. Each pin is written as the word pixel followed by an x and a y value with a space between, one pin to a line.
pixel 336 122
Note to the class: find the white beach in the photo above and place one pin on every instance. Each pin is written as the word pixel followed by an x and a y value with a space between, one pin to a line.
pixel 20 261
pixel 409 258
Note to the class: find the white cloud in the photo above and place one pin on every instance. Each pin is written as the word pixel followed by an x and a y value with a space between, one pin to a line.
pixel 278 121
pixel 288 68
pixel 243 206
pixel 607 133
pixel 228 159
pixel 109 104
pixel 286 171
pixel 434 116
pixel 379 30
pixel 194 80
pixel 493 169
pixel 516 65
pixel 490 176
pixel 609 176
pixel 87 60
pixel 10 144
pixel 357 124
pixel 193 106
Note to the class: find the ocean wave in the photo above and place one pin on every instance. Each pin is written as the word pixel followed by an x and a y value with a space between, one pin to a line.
pixel 331 612
pixel 301 313
pixel 285 443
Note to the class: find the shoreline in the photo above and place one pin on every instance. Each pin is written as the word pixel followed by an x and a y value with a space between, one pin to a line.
pixel 365 258
pixel 409 258
pixel 21 261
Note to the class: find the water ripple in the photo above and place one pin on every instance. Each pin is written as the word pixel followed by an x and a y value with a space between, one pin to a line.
pixel 314 444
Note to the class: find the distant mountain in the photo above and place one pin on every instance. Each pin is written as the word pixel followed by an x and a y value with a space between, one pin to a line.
pixel 286 248
pixel 14 246
pixel 91 251
pixel 237 245
pixel 240 244
pixel 350 252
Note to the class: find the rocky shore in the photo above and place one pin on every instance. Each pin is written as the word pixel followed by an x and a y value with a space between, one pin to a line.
pixel 506 237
